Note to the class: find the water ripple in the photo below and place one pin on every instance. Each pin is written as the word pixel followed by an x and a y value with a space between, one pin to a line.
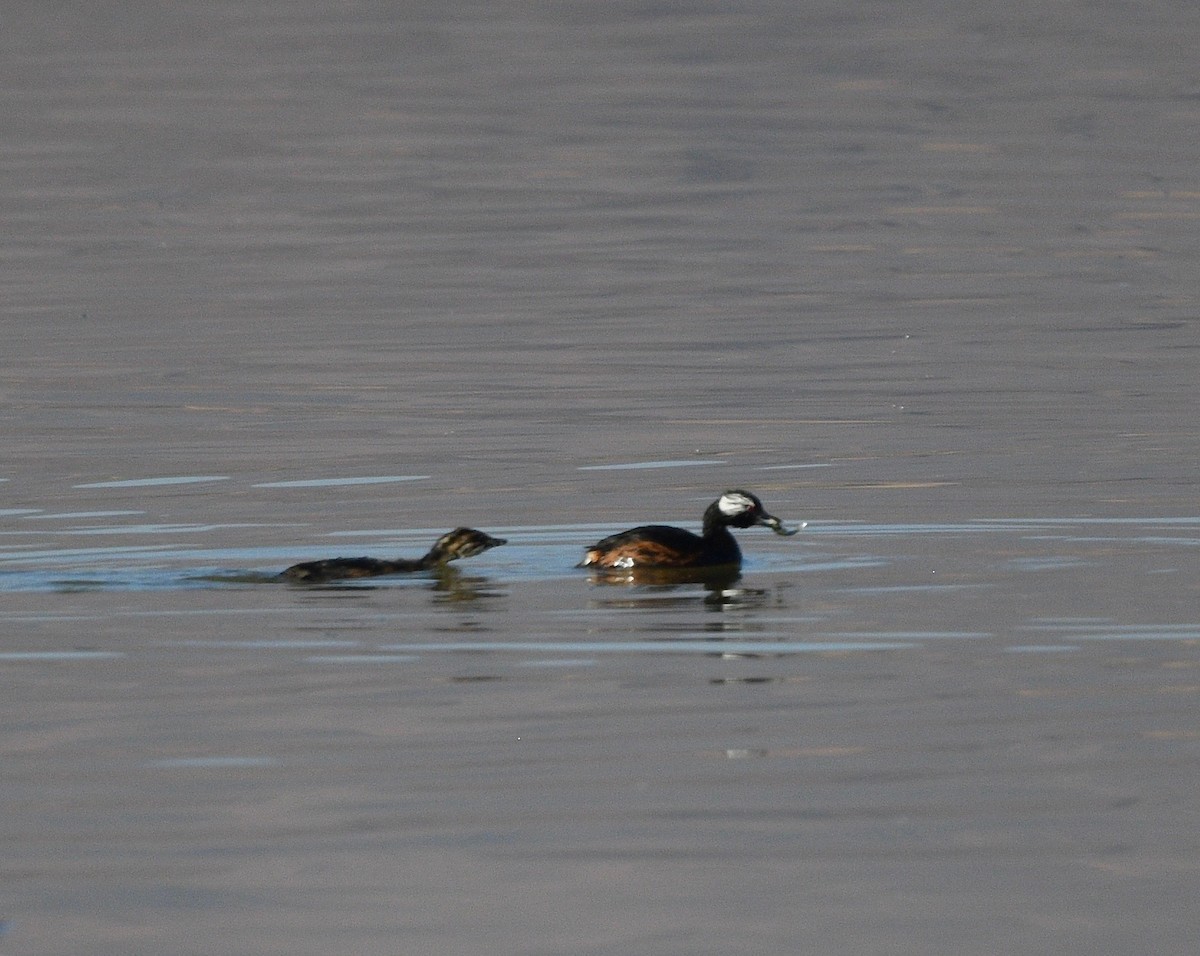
pixel 719 646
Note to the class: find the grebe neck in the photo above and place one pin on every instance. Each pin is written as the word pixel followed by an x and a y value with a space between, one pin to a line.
pixel 716 524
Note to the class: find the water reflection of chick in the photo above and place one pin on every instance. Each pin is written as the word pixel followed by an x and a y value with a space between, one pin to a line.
pixel 459 543
pixel 451 586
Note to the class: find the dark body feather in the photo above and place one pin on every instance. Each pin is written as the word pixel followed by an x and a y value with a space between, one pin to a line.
pixel 332 569
pixel 664 546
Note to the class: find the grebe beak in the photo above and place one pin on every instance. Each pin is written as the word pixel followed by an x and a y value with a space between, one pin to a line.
pixel 777 526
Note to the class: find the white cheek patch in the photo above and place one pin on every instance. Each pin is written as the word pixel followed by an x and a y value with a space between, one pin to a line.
pixel 732 504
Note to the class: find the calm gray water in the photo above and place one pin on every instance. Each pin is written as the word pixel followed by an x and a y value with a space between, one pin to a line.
pixel 293 280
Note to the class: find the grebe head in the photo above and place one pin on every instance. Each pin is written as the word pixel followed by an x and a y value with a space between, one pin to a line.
pixel 740 509
pixel 464 543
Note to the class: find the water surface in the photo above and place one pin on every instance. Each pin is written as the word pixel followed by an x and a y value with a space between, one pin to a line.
pixel 285 281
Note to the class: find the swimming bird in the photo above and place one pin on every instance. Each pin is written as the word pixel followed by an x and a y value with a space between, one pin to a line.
pixel 459 543
pixel 657 546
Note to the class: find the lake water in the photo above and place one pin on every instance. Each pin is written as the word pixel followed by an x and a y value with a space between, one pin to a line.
pixel 295 280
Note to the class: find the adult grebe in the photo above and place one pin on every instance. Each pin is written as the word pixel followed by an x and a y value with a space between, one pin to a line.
pixel 662 546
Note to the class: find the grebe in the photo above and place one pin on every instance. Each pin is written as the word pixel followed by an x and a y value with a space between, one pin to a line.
pixel 662 546
pixel 459 543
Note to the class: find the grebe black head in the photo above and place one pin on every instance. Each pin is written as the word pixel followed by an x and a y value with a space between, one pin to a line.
pixel 459 543
pixel 663 546
pixel 741 509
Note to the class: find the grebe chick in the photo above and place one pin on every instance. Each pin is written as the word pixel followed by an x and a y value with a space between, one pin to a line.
pixel 662 546
pixel 459 543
